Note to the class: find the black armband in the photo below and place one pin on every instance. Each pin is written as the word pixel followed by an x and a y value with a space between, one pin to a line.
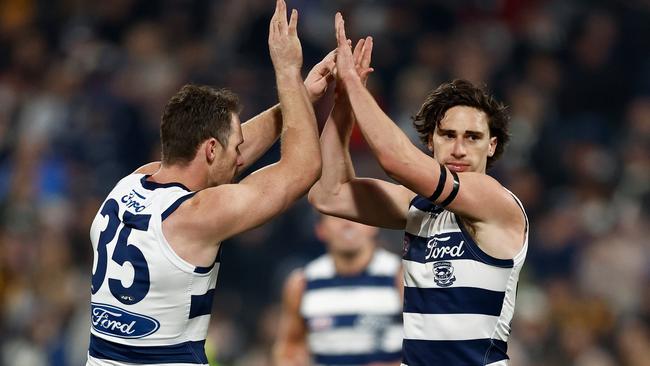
pixel 441 184
pixel 454 190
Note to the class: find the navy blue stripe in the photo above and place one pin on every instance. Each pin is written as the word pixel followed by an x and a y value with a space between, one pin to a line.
pixel 453 353
pixel 417 250
pixel 149 185
pixel 480 254
pixel 186 352
pixel 201 270
pixel 363 280
pixel 423 204
pixel 357 359
pixel 453 300
pixel 175 205
pixel 201 304
pixel 354 319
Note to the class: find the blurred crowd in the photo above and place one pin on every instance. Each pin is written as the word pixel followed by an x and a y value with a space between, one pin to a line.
pixel 83 84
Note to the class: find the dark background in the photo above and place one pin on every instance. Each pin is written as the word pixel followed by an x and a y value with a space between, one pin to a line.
pixel 83 83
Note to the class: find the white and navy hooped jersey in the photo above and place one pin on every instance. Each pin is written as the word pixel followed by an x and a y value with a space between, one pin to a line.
pixel 458 300
pixel 353 320
pixel 148 305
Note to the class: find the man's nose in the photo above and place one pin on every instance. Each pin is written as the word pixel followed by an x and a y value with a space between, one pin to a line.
pixel 459 148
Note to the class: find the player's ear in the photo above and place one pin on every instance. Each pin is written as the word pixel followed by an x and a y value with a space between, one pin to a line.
pixel 211 149
pixel 430 143
pixel 493 146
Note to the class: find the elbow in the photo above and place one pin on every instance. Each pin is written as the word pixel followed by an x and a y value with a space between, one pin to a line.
pixel 315 197
pixel 320 199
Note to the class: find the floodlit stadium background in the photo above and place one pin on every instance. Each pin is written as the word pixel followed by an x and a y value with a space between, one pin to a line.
pixel 83 83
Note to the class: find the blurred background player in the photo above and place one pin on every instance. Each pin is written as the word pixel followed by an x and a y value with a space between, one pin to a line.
pixel 343 308
pixel 158 233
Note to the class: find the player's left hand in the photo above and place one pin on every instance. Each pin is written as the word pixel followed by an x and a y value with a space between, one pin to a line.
pixel 320 76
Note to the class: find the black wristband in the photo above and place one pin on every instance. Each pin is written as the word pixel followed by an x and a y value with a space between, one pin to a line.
pixel 454 191
pixel 441 184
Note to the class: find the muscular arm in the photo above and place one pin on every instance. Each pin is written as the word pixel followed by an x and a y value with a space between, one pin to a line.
pixel 290 348
pixel 480 198
pixel 223 211
pixel 263 130
pixel 339 192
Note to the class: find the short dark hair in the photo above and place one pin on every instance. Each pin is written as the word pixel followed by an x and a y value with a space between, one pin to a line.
pixel 463 93
pixel 191 116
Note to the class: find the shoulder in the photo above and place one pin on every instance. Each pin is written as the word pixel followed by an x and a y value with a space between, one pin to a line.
pixel 384 263
pixel 321 267
pixel 295 284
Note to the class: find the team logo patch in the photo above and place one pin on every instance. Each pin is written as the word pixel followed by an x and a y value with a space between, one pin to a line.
pixel 117 322
pixel 443 273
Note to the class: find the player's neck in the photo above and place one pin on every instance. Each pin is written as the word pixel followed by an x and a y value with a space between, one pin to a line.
pixel 349 264
pixel 190 175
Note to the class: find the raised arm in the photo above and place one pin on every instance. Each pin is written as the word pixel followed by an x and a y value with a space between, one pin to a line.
pixel 339 192
pixel 261 131
pixel 479 198
pixel 290 348
pixel 230 209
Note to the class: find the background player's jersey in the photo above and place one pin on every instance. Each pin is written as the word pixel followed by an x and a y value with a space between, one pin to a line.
pixel 148 305
pixel 353 320
pixel 458 300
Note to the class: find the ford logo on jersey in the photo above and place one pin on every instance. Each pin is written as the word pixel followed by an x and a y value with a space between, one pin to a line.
pixel 116 322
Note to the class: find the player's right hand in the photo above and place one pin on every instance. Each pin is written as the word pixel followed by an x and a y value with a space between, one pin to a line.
pixel 362 55
pixel 284 45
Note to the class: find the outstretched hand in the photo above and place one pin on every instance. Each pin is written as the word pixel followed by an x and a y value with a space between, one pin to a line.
pixel 320 76
pixel 345 62
pixel 284 45
pixel 362 56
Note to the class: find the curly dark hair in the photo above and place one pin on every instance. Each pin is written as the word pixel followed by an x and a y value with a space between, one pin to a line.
pixel 194 114
pixel 463 93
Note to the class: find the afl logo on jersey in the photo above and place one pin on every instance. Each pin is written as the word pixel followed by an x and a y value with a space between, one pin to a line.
pixel 443 273
pixel 116 322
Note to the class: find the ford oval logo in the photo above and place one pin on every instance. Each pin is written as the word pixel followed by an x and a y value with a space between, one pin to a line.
pixel 116 322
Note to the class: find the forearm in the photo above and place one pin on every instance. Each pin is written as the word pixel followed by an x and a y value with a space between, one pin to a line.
pixel 260 133
pixel 337 163
pixel 386 140
pixel 300 148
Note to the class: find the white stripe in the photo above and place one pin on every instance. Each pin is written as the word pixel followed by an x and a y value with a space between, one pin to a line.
pixel 383 263
pixel 92 361
pixel 351 300
pixel 502 330
pixel 196 328
pixel 448 327
pixel 321 267
pixel 354 340
pixel 499 363
pixel 393 337
pixel 348 340
pixel 468 273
